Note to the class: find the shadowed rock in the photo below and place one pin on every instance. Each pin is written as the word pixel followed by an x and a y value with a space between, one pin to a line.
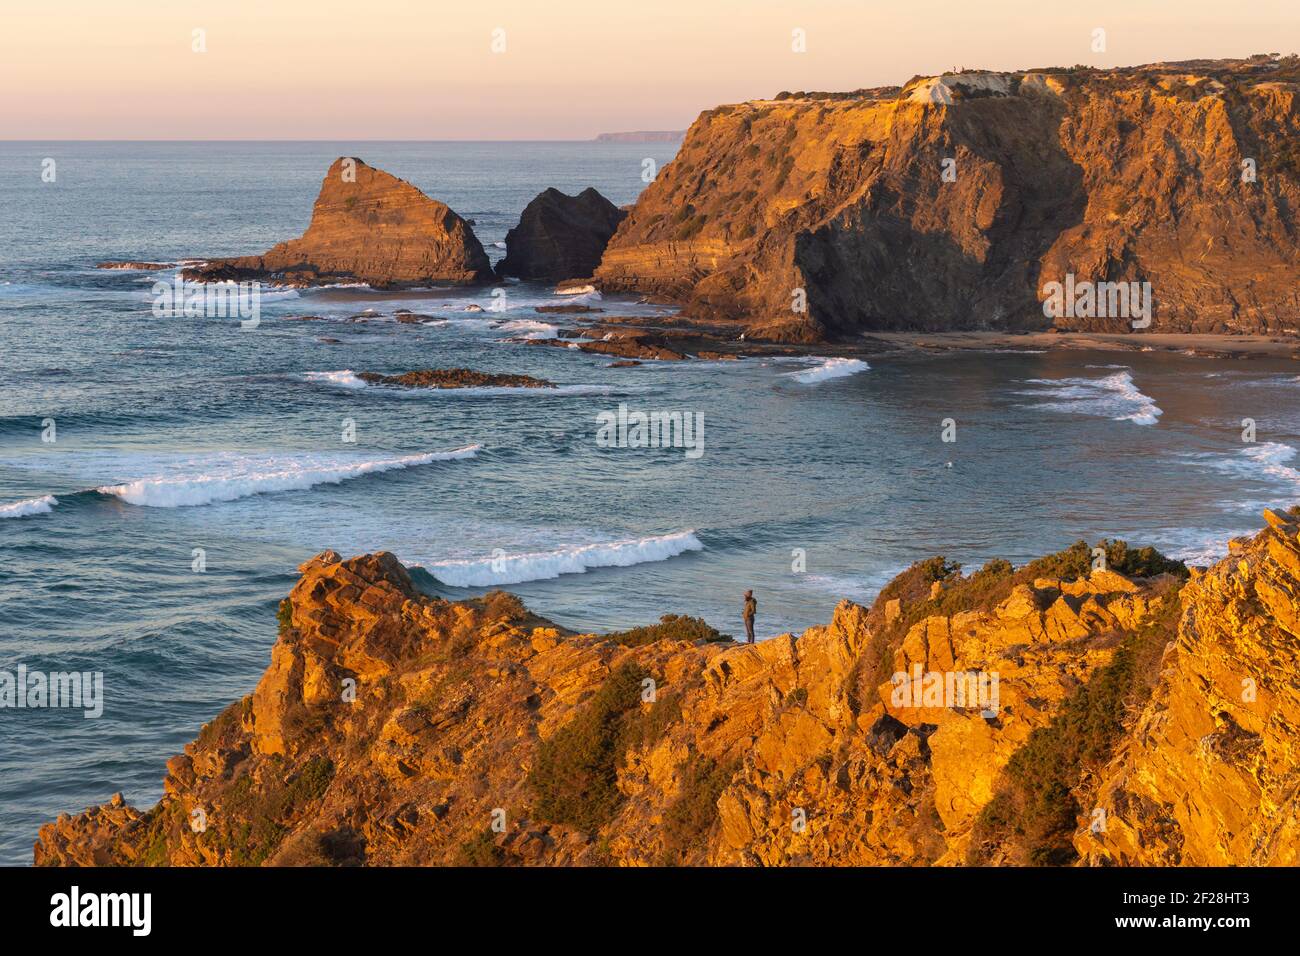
pixel 560 236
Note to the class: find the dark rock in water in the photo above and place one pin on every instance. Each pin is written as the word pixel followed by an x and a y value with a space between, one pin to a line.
pixel 560 236
pixel 453 378
pixel 574 309
pixel 367 226
pixel 623 363
pixel 136 266
pixel 622 345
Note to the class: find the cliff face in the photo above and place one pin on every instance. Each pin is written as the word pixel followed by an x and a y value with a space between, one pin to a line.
pixel 952 203
pixel 395 728
pixel 1210 773
pixel 366 226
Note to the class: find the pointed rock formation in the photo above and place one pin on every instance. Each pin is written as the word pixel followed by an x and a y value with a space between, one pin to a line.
pixel 367 226
pixel 560 236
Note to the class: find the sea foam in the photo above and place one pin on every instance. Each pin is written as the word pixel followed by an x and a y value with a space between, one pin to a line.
pixel 29 506
pixel 575 559
pixel 227 478
pixel 1112 396
pixel 828 369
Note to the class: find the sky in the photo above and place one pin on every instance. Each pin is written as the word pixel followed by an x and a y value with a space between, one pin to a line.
pixel 560 69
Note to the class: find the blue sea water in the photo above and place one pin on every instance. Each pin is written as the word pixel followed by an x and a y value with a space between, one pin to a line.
pixel 177 434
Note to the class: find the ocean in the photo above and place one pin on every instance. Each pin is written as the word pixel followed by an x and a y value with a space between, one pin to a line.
pixel 161 478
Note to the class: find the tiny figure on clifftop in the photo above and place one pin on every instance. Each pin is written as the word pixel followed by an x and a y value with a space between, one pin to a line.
pixel 751 608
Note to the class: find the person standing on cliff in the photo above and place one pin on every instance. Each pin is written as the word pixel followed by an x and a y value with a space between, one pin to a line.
pixel 751 608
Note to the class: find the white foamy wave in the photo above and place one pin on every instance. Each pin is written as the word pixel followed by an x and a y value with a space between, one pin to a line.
pixel 278 294
pixel 1110 396
pixel 530 329
pixel 344 378
pixel 30 506
pixel 544 565
pixel 589 290
pixel 228 477
pixel 829 368
pixel 1266 459
pixel 1204 551
pixel 860 590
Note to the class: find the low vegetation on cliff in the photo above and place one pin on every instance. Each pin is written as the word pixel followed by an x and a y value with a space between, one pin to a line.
pixel 396 728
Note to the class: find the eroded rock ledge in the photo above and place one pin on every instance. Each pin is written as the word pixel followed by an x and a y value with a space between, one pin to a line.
pixel 396 728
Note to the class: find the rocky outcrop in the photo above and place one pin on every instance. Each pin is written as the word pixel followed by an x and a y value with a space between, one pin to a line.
pixel 560 236
pixel 367 226
pixel 396 728
pixel 453 378
pixel 1210 773
pixel 953 203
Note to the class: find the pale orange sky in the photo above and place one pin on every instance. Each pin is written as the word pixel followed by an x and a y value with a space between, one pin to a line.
pixel 405 69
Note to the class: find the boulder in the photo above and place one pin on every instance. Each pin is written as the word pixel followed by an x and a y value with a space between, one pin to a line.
pixel 560 236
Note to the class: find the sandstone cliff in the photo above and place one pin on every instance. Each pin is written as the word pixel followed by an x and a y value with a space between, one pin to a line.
pixel 950 203
pixel 367 226
pixel 396 728
pixel 560 236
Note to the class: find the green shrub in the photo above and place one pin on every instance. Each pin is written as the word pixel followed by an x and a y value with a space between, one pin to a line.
pixel 481 850
pixel 671 627
pixel 689 818
pixel 575 775
pixel 284 616
pixel 264 815
pixel 1034 813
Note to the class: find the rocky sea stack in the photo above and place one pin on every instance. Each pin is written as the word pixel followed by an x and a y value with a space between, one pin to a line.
pixel 560 236
pixel 367 226
pixel 396 728
pixel 950 203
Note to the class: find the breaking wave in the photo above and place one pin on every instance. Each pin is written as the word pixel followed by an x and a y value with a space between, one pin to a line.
pixel 530 329
pixel 1266 459
pixel 344 378
pixel 575 559
pixel 828 369
pixel 227 478
pixel 30 506
pixel 1111 396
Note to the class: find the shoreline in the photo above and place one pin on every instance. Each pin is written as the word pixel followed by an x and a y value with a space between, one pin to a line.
pixel 1192 344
